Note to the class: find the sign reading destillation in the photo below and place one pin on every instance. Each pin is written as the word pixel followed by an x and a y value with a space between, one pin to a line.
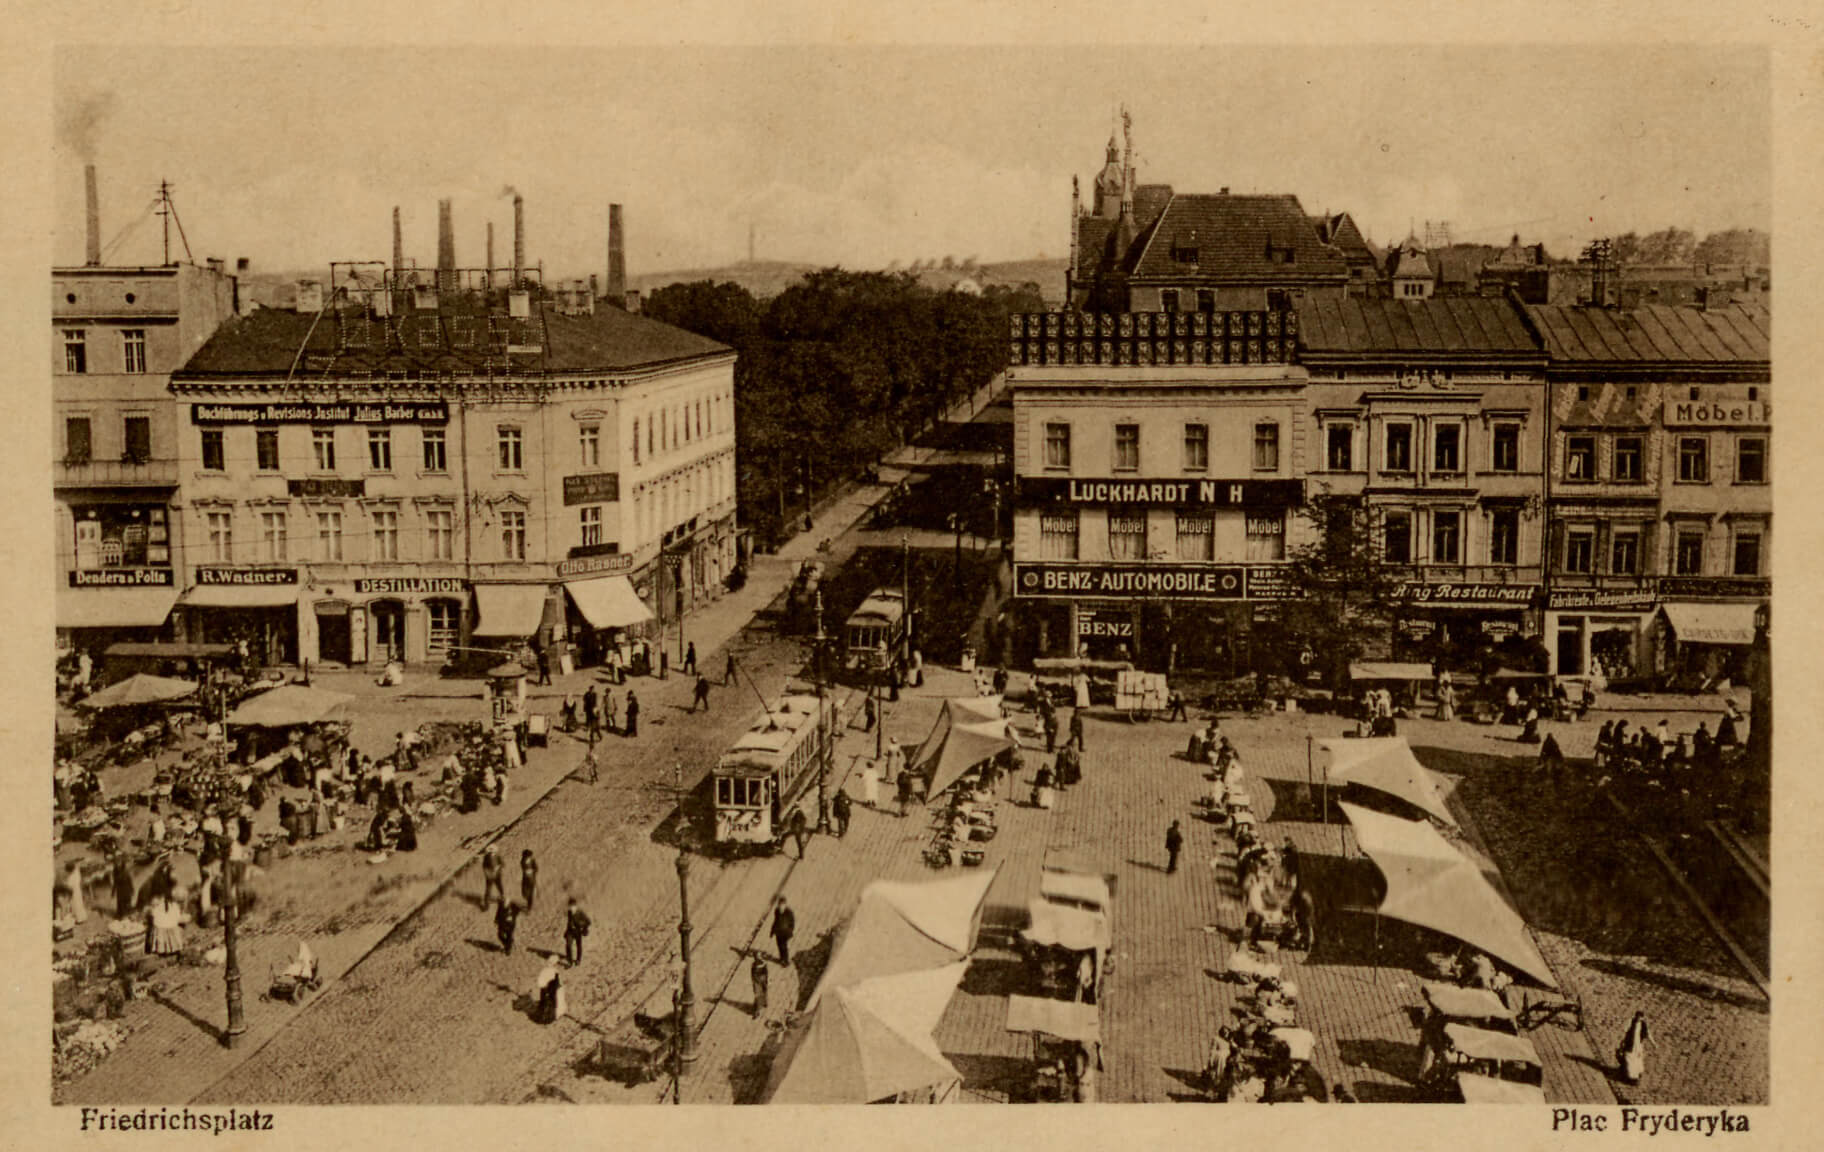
pixel 390 412
pixel 420 584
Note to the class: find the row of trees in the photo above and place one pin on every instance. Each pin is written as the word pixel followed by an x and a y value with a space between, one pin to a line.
pixel 837 370
pixel 1681 246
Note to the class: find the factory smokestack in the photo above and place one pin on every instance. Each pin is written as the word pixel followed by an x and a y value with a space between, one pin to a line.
pixel 398 245
pixel 92 203
pixel 490 264
pixel 519 238
pixel 446 247
pixel 617 256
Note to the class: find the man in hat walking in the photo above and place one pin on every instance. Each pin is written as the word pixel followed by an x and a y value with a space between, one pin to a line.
pixel 700 697
pixel 633 715
pixel 728 674
pixel 490 876
pixel 690 658
pixel 576 926
pixel 506 919
pixel 1174 843
pixel 590 703
pixel 841 808
pixel 785 922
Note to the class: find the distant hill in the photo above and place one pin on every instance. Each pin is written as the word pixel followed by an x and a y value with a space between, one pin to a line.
pixel 760 277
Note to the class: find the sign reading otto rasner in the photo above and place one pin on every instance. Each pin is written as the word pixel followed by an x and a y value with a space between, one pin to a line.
pixel 1168 581
pixel 390 412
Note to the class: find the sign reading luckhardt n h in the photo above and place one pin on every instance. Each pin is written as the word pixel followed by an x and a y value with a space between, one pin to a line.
pixel 1178 493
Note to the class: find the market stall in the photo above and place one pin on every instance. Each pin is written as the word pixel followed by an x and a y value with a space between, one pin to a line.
pixel 870 1042
pixel 903 927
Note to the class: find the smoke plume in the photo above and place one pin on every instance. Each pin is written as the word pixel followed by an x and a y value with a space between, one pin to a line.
pixel 80 121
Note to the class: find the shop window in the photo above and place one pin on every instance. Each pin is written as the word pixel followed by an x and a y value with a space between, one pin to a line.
pixel 133 350
pixel 380 449
pixel 1399 448
pixel 1694 460
pixel 589 444
pixel 1506 448
pixel 272 537
pixel 1447 537
pixel 212 450
pixel 1057 445
pixel 1396 538
pixel 1688 557
pixel 513 535
pixel 592 525
pixel 78 442
pixel 139 440
pixel 1127 447
pixel 512 458
pixel 75 351
pixel 1504 536
pixel 1058 532
pixel 1627 459
pixel 386 535
pixel 440 534
pixel 1266 537
pixel 329 536
pixel 1580 458
pixel 436 458
pixel 1579 550
pixel 1751 460
pixel 221 537
pixel 1747 552
pixel 1196 447
pixel 1447 448
pixel 323 443
pixel 1624 554
pixel 1266 447
pixel 444 618
pixel 1196 536
pixel 1339 447
pixel 1127 534
pixel 266 449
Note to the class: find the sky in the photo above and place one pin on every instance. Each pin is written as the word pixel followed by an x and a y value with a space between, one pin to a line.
pixel 865 155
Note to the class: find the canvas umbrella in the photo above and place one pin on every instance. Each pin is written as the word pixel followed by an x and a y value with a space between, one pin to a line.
pixel 870 1041
pixel 906 927
pixel 287 706
pixel 137 689
pixel 960 740
pixel 1432 884
pixel 1386 764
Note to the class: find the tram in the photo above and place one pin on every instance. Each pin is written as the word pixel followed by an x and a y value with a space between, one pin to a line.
pixel 876 631
pixel 766 772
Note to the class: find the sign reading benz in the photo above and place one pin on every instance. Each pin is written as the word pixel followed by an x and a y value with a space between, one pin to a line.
pixel 1192 493
pixel 390 412
pixel 1165 581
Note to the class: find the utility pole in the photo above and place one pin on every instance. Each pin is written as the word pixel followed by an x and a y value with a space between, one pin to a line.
pixel 231 972
pixel 905 587
pixel 687 1000
pixel 824 739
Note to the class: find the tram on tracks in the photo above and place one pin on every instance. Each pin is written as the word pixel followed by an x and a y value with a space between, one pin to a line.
pixel 766 773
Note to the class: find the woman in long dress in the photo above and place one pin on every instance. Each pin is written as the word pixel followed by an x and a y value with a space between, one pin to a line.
pixel 165 932
pixel 1631 1054
pixel 78 907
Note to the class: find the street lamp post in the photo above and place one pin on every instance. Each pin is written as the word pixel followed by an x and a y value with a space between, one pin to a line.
pixel 687 999
pixel 824 747
pixel 674 563
pixel 231 971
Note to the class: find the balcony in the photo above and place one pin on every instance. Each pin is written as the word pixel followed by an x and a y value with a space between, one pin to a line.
pixel 69 473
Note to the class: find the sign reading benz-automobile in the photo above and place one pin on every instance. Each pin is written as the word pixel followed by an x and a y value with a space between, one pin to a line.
pixel 1168 581
pixel 1181 493
pixel 391 412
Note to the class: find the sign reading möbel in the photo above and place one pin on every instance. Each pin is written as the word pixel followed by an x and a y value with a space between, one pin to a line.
pixel 1713 413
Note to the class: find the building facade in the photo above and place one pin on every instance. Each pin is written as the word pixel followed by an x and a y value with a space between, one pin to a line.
pixel 1660 490
pixel 398 470
pixel 118 334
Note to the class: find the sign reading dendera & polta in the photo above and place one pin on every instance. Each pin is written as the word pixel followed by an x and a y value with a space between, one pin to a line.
pixel 351 412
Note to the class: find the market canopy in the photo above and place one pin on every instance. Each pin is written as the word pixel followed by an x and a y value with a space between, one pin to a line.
pixel 1389 671
pixel 139 688
pixel 608 602
pixel 870 1041
pixel 1386 764
pixel 905 927
pixel 286 706
pixel 1711 623
pixel 114 607
pixel 959 741
pixel 509 609
pixel 1432 885
pixel 1063 926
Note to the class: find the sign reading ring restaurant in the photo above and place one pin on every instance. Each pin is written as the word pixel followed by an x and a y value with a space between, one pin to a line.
pixel 1161 581
pixel 246 576
pixel 1472 595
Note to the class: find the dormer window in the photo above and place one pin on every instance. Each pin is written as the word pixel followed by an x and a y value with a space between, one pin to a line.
pixel 1184 248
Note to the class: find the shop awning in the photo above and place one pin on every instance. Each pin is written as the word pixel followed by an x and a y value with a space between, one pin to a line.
pixel 241 596
pixel 1387 671
pixel 509 609
pixel 114 607
pixel 608 601
pixel 1711 623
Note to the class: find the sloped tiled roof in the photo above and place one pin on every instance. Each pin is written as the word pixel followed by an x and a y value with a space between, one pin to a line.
pixel 1739 333
pixel 271 342
pixel 1470 325
pixel 1233 237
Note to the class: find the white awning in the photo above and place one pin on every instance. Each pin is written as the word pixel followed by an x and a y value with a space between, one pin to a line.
pixel 241 596
pixel 114 607
pixel 509 609
pixel 1711 623
pixel 607 601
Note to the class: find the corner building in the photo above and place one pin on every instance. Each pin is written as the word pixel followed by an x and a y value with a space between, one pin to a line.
pixel 400 471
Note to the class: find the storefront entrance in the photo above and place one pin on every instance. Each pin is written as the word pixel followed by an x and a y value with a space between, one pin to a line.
pixel 387 637
pixel 333 638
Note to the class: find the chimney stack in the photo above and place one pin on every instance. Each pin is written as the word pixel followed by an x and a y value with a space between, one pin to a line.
pixel 617 256
pixel 446 248
pixel 92 200
pixel 398 246
pixel 519 238
pixel 490 264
